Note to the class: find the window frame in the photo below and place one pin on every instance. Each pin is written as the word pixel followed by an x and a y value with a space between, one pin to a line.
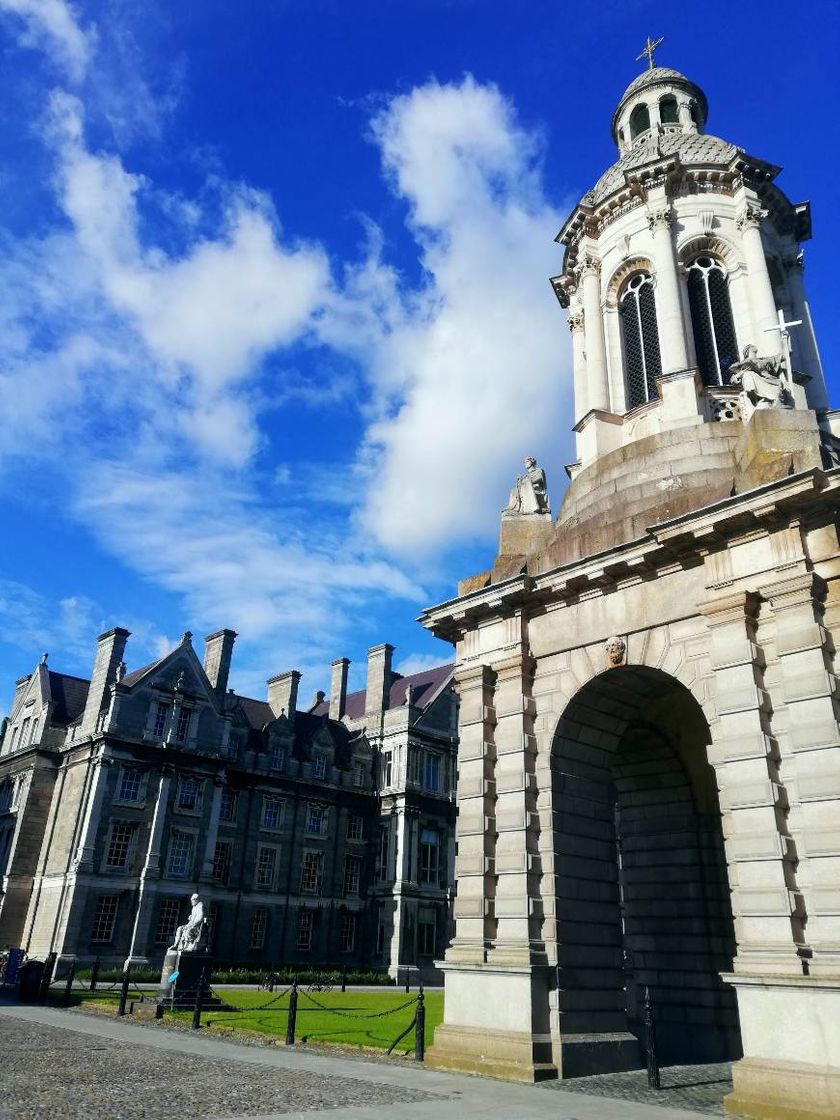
pixel 269 883
pixel 129 845
pixel 97 935
pixel 355 827
pixel 232 798
pixel 190 834
pixel 305 925
pixel 272 800
pixel 347 932
pixel 141 775
pixel 222 865
pixel 195 809
pixel 352 878
pixel 258 928
pixel 311 864
pixel 173 904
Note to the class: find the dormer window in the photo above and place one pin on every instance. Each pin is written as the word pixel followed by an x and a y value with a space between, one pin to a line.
pixel 182 729
pixel 639 121
pixel 319 767
pixel 668 112
pixel 642 361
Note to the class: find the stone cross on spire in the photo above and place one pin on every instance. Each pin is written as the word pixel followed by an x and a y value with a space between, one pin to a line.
pixel 649 50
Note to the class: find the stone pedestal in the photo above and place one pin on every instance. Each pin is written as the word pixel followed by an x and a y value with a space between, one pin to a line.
pixel 791 1034
pixel 180 994
pixel 496 1023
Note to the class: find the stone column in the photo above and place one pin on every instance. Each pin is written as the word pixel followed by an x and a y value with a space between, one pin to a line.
pixel 578 362
pixel 206 875
pixel 669 316
pixel 597 390
pixel 762 300
pixel 137 953
pixel 760 853
pixel 803 338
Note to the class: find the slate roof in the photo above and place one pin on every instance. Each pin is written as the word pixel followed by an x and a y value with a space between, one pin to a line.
pixel 257 712
pixel 135 675
pixel 70 695
pixel 425 685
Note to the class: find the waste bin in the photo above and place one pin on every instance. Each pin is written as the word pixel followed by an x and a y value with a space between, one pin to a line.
pixel 30 976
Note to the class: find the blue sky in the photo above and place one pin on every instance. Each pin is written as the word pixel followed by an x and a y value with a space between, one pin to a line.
pixel 275 322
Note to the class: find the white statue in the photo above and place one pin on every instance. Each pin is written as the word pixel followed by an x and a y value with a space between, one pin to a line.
pixel 529 494
pixel 762 380
pixel 188 937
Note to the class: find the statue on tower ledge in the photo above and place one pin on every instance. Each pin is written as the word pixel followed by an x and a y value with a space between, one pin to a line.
pixel 762 380
pixel 529 494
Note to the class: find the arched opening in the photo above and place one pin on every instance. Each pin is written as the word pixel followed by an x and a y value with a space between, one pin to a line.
pixel 668 112
pixel 640 335
pixel 711 319
pixel 642 893
pixel 639 121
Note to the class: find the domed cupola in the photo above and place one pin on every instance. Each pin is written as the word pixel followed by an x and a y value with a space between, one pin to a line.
pixel 660 101
pixel 678 264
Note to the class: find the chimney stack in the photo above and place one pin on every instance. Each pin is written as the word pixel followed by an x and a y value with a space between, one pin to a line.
pixel 378 682
pixel 338 687
pixel 110 648
pixel 218 651
pixel 282 693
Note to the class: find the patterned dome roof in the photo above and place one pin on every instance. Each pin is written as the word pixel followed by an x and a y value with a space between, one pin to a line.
pixel 692 148
pixel 651 77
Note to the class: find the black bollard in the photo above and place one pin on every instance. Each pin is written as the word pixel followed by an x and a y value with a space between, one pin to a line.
pixel 124 993
pixel 650 1044
pixel 159 1011
pixel 291 1022
pixel 407 980
pixel 199 996
pixel 68 987
pixel 420 1028
pixel 94 975
pixel 344 979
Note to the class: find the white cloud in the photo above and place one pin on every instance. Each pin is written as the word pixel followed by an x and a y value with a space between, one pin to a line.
pixel 52 26
pixel 420 662
pixel 468 372
pixel 207 317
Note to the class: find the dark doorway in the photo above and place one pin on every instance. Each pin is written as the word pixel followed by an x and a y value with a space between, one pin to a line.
pixel 640 873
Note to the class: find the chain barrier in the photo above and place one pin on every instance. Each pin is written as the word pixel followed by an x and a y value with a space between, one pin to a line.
pixel 262 1007
pixel 350 1015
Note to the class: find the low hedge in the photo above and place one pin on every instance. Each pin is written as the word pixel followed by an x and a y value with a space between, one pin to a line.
pixel 248 974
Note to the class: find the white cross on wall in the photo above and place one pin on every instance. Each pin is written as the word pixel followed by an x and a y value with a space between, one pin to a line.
pixel 782 327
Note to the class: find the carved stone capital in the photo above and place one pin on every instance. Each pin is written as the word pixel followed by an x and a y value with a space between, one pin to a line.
pixel 564 287
pixel 660 217
pixel 750 217
pixel 575 321
pixel 588 265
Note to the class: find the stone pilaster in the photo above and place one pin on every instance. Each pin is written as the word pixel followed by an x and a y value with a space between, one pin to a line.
pixel 765 900
pixel 150 873
pixel 83 861
pixel 518 906
pixel 206 875
pixel 475 925
pixel 810 753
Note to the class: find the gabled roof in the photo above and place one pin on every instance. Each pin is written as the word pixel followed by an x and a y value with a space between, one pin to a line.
pixel 137 674
pixel 425 688
pixel 257 712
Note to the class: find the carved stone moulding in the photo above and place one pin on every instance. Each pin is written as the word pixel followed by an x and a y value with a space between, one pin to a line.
pixel 615 651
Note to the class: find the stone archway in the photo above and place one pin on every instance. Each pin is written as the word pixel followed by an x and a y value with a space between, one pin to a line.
pixel 641 886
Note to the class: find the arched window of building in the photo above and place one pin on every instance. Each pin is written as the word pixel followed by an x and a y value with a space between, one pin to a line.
pixel 668 113
pixel 711 320
pixel 639 121
pixel 642 361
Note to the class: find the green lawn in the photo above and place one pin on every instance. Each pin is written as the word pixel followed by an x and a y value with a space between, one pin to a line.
pixel 267 1014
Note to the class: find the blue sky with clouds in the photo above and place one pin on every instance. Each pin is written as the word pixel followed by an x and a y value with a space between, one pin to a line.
pixel 275 321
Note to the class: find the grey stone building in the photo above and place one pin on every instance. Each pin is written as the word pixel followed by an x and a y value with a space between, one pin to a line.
pixel 121 795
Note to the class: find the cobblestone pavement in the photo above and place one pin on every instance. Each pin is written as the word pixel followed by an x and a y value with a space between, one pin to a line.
pixel 700 1088
pixel 49 1072
pixel 57 1064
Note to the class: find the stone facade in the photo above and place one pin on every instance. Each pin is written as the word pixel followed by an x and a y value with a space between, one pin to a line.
pixel 649 758
pixel 122 794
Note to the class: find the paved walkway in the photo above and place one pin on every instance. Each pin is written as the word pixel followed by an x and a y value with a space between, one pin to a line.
pixel 68 1064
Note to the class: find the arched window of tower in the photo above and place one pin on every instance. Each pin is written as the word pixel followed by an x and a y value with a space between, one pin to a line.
pixel 711 319
pixel 639 120
pixel 668 112
pixel 640 335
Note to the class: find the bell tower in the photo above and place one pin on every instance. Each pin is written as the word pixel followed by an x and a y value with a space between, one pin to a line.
pixel 681 257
